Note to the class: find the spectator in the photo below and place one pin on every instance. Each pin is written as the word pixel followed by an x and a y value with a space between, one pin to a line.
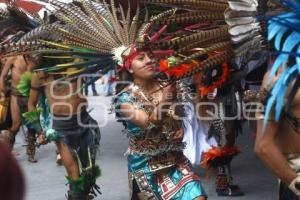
pixel 109 80
pixel 89 81
pixel 12 186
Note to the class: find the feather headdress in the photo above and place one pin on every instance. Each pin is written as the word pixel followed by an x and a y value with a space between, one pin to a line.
pixel 96 33
pixel 201 35
pixel 193 33
pixel 284 34
pixel 15 21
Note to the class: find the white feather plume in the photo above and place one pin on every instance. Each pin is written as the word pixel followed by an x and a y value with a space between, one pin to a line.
pixel 118 53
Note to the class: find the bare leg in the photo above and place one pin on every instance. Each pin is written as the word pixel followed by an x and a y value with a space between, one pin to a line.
pixel 31 138
pixel 15 114
pixel 16 122
pixel 68 160
pixel 58 158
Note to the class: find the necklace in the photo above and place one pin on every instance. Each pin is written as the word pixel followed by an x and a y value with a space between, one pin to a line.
pixel 148 95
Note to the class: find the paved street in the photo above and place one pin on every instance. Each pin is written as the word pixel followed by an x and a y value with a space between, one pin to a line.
pixel 46 180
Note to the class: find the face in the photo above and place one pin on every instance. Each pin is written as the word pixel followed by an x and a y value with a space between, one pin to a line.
pixel 143 66
pixel 34 58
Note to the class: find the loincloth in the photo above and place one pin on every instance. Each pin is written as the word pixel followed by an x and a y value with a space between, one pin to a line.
pixel 80 132
pixel 21 100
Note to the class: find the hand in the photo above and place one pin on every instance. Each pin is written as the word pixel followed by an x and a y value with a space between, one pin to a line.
pixel 42 139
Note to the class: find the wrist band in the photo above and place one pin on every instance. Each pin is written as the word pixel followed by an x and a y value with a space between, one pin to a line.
pixel 32 118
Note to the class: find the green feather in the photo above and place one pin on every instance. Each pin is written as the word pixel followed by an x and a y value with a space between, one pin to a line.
pixel 32 116
pixel 78 185
pixel 24 85
pixel 97 172
pixel 84 50
pixel 86 178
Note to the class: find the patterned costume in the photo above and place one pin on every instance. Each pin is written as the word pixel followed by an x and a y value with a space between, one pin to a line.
pixel 156 164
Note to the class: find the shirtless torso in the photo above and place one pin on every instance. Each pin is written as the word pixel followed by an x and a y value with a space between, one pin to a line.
pixel 18 65
pixel 64 97
pixel 279 141
pixel 287 138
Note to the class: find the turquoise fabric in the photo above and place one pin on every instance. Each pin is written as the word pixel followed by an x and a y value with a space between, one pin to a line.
pixel 137 162
pixel 131 128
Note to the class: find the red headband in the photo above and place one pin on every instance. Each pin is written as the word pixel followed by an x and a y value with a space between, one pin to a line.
pixel 127 60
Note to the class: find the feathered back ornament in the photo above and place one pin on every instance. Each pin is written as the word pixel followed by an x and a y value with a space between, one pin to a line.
pixel 195 37
pixel 15 22
pixel 284 33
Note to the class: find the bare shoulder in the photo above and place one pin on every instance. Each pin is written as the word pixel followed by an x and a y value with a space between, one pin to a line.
pixel 20 60
pixel 10 60
pixel 37 78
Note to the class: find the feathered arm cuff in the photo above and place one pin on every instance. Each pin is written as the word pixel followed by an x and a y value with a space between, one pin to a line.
pixel 33 118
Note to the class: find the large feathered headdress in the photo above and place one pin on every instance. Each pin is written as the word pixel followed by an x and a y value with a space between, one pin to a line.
pixel 190 36
pixel 15 21
pixel 91 33
pixel 198 37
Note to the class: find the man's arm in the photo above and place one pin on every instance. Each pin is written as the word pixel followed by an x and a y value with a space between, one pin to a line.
pixel 34 92
pixel 267 149
pixel 32 103
pixel 8 64
pixel 270 154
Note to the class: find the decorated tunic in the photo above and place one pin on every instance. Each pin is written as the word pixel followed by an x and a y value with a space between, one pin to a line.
pixel 155 159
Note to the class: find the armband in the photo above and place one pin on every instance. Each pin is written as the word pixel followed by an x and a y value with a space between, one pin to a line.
pixel 33 118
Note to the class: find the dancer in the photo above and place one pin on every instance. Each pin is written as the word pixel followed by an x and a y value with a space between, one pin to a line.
pixel 277 139
pixel 157 167
pixel 16 23
pixel 18 65
pixel 78 135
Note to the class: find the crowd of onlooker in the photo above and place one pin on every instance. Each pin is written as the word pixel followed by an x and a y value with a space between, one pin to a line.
pixel 107 80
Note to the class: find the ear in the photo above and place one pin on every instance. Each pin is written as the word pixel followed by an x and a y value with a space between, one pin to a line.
pixel 130 71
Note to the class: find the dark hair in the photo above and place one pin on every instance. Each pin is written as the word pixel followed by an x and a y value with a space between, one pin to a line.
pixel 36 58
pixel 123 76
